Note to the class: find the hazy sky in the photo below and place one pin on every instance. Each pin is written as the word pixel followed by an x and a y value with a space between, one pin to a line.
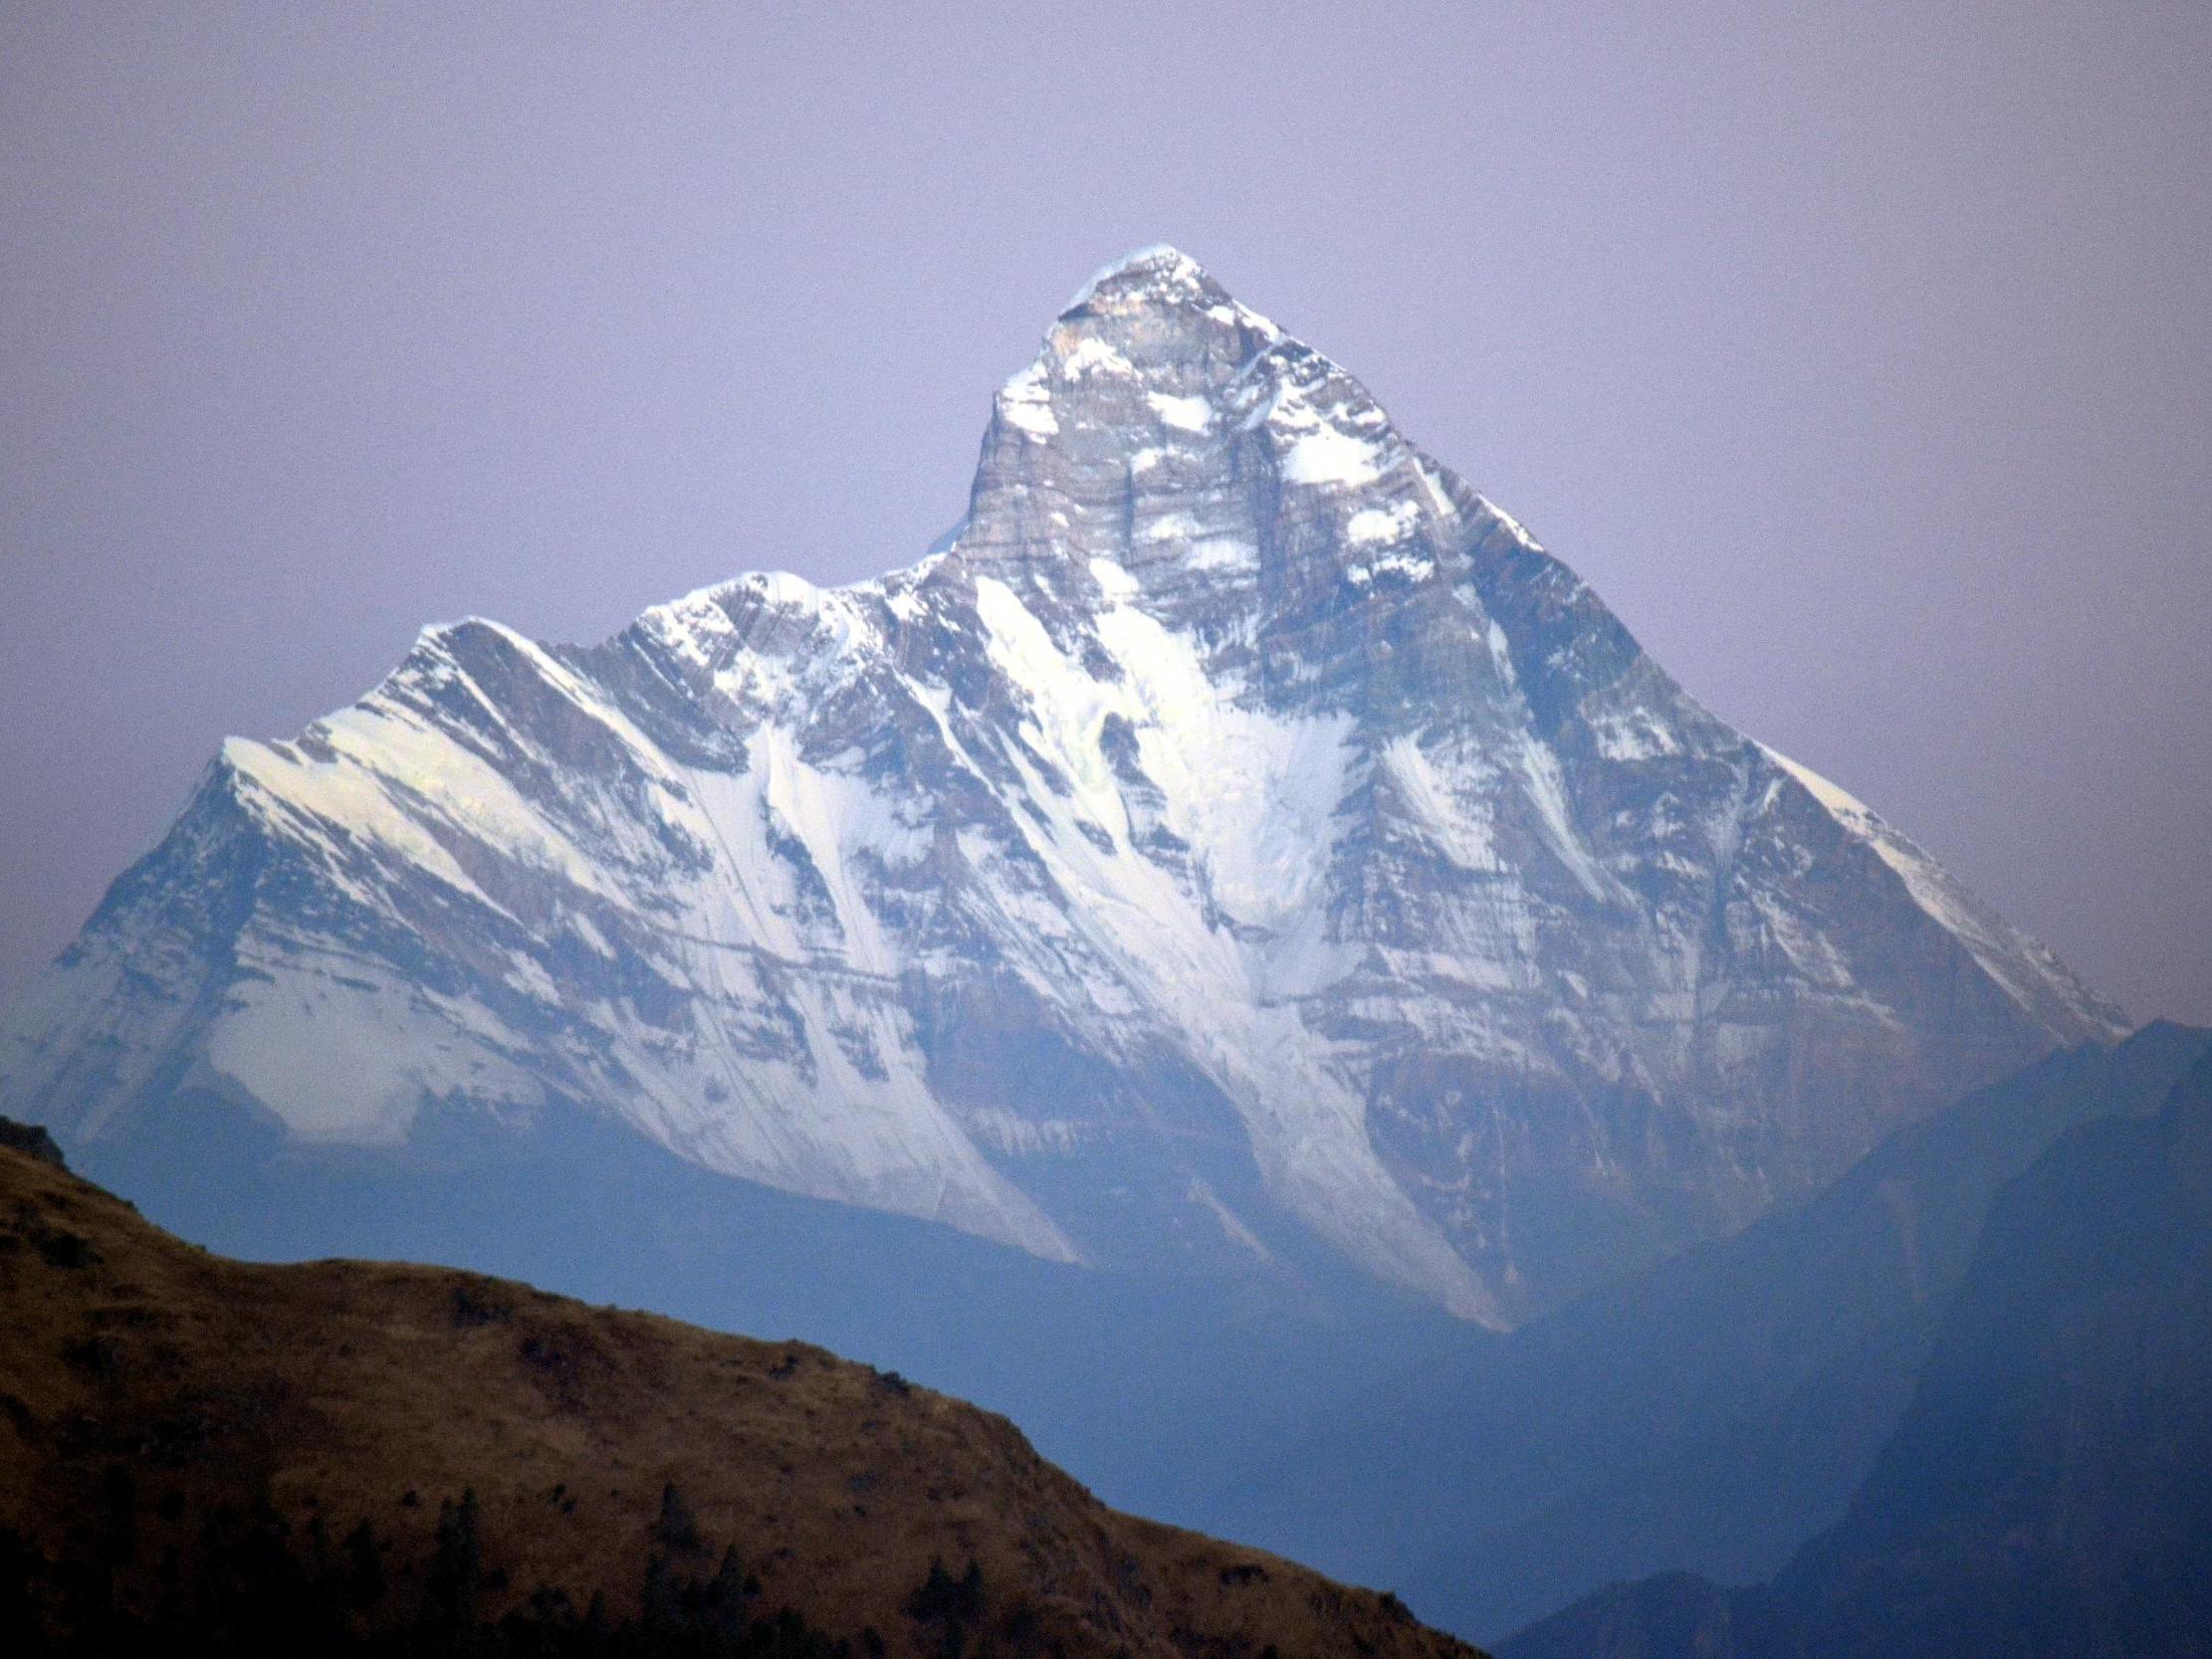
pixel 1859 356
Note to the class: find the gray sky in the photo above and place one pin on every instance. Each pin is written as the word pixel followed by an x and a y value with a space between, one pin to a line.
pixel 1859 356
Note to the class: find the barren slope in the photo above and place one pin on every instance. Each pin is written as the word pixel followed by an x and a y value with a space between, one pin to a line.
pixel 149 1390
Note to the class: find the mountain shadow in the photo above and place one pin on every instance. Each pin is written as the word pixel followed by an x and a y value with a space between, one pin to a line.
pixel 2048 1488
pixel 1709 1416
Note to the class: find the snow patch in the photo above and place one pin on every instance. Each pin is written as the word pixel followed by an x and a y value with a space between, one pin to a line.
pixel 1381 524
pixel 1448 808
pixel 1326 457
pixel 1113 581
pixel 1092 356
pixel 1026 403
pixel 1546 790
pixel 1630 734
pixel 1222 552
pixel 1184 414
pixel 1513 527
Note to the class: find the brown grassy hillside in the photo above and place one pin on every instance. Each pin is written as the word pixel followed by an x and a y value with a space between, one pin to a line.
pixel 400 1447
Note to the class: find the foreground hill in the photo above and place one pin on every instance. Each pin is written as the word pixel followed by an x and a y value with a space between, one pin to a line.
pixel 2048 1488
pixel 203 1455
pixel 1240 838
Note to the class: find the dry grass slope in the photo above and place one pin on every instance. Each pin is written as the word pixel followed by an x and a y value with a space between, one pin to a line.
pixel 146 1385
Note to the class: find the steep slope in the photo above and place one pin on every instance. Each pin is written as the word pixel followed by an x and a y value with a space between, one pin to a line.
pixel 1238 831
pixel 1710 1415
pixel 2048 1488
pixel 413 1456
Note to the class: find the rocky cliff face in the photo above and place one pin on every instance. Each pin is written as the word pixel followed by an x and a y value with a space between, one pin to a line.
pixel 1237 832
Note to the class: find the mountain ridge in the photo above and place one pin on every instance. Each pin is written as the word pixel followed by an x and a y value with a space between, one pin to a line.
pixel 1238 823
pixel 1708 1416
pixel 2043 1490
pixel 399 1459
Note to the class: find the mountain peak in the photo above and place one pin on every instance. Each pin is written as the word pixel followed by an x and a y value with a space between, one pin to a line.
pixel 1151 374
pixel 1235 769
pixel 1148 275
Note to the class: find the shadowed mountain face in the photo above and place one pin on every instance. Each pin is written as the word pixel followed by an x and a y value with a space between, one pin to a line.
pixel 1711 1416
pixel 1238 835
pixel 2046 1490
pixel 198 1455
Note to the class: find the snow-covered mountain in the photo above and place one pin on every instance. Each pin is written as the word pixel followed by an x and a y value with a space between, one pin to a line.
pixel 1236 832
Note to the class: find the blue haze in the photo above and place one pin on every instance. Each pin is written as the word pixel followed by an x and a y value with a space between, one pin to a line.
pixel 1860 357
